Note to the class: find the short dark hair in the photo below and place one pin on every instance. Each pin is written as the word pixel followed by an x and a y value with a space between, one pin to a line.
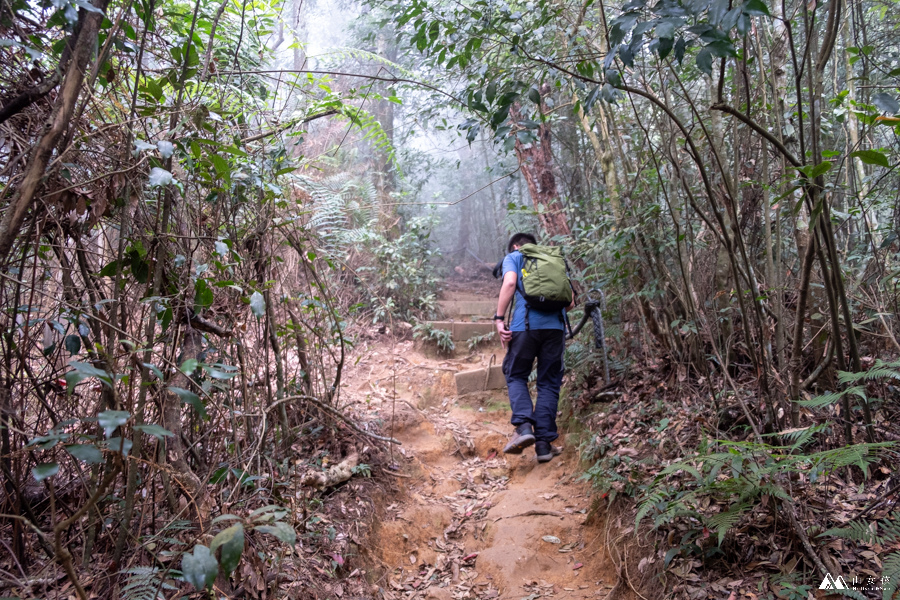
pixel 519 239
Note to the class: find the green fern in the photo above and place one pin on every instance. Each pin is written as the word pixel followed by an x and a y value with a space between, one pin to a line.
pixel 883 532
pixel 891 575
pixel 649 503
pixel 374 132
pixel 442 338
pixel 344 53
pixel 867 531
pixel 798 438
pixel 724 521
pixel 342 212
pixel 832 397
pixel 476 340
pixel 144 583
pixel 879 370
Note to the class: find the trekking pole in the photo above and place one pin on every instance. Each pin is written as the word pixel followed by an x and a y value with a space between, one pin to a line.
pixel 593 310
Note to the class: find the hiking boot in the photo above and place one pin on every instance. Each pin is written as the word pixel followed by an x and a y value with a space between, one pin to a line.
pixel 523 438
pixel 546 451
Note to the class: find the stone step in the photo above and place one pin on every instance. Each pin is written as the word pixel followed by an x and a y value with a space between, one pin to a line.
pixel 469 297
pixel 474 381
pixel 468 308
pixel 460 331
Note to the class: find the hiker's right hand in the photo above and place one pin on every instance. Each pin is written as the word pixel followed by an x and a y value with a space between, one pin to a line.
pixel 504 333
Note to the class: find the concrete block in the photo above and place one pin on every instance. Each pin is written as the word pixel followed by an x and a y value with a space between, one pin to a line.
pixel 467 296
pixel 474 381
pixel 483 309
pixel 461 331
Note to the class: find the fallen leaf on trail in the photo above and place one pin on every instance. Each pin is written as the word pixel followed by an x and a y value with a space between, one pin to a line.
pixel 552 539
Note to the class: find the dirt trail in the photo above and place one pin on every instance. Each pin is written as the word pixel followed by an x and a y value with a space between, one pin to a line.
pixel 469 521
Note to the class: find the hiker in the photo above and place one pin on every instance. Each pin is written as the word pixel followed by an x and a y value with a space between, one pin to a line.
pixel 536 331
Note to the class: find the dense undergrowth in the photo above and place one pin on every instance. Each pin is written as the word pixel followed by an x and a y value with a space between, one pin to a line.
pixel 721 508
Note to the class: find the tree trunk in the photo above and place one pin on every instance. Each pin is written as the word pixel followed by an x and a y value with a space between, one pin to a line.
pixel 536 164
pixel 89 22
pixel 175 450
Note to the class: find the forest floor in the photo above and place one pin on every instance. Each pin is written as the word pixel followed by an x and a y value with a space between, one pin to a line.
pixel 465 520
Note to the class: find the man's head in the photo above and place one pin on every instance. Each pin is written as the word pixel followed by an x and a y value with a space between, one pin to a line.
pixel 520 239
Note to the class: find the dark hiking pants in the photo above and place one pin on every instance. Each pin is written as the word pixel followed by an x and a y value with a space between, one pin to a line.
pixel 547 346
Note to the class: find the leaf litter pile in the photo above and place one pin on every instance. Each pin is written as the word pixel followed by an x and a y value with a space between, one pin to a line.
pixel 728 515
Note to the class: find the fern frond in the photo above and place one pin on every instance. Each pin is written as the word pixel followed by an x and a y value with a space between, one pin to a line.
pixel 724 521
pixel 374 132
pixel 880 370
pixel 647 505
pixel 831 397
pixel 849 593
pixel 178 525
pixel 144 583
pixel 861 455
pixel 680 466
pixel 891 575
pixel 343 53
pixel 857 531
pixel 797 438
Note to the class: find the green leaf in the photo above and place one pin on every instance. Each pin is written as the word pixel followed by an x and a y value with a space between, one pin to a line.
pixel 203 294
pixel 257 305
pixel 42 472
pixel 491 92
pixel 189 397
pixel 757 8
pixel 86 453
pixel 200 568
pixel 820 169
pixel 267 513
pixel 155 370
pixel 154 430
pixel 231 542
pixel 155 89
pixel 871 157
pixel 226 517
pixel 82 371
pixel 223 374
pixel 704 61
pixel 73 344
pixel 189 366
pixel 111 419
pixel 159 177
pixel 221 167
pixel 109 270
pixel 282 531
pixel 118 444
pixel 886 103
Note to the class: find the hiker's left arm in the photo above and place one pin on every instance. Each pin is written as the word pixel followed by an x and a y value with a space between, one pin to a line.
pixel 507 290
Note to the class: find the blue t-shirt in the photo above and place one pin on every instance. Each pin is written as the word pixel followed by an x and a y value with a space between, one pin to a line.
pixel 537 319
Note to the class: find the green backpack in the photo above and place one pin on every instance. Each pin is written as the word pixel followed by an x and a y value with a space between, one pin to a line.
pixel 545 278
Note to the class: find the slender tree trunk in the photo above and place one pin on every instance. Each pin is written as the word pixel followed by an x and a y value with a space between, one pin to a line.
pixel 88 28
pixel 536 164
